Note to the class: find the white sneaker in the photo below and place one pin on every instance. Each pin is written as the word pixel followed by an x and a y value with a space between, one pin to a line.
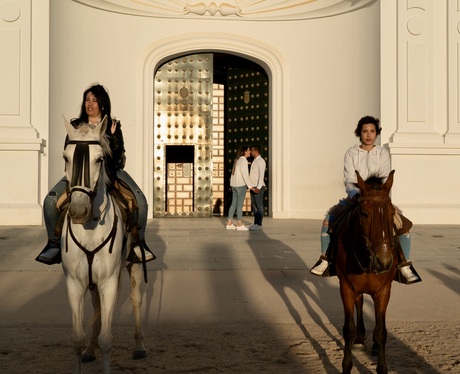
pixel 242 228
pixel 408 274
pixel 230 227
pixel 321 268
pixel 138 252
pixel 255 227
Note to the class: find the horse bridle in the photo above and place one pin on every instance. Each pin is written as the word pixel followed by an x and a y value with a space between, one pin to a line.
pixel 80 172
pixel 79 177
pixel 378 199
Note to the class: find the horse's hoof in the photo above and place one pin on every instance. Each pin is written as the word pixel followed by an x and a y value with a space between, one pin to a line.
pixel 87 358
pixel 139 355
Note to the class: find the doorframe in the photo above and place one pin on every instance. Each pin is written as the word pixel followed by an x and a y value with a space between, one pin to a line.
pixel 255 50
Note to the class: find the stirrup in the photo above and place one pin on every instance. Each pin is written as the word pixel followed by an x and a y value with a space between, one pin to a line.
pixel 132 257
pixel 401 278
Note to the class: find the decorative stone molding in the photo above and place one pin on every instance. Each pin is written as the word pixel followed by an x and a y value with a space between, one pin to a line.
pixel 274 10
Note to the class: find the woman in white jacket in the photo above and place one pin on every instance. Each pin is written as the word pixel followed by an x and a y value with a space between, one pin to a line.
pixel 239 181
pixel 369 160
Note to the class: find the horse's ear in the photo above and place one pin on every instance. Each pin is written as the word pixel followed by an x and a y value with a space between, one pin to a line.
pixel 361 184
pixel 68 125
pixel 103 125
pixel 389 183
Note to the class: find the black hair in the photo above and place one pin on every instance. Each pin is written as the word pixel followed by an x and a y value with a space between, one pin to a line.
pixel 366 121
pixel 103 100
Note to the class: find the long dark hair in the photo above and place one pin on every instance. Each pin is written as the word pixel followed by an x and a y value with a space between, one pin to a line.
pixel 240 153
pixel 103 100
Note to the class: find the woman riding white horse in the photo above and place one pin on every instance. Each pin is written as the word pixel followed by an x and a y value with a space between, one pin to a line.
pixel 94 243
pixel 96 105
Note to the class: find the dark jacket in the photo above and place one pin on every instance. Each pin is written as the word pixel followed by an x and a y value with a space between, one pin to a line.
pixel 117 160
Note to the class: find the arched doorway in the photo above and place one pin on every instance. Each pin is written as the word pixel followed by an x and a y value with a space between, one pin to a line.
pixel 206 105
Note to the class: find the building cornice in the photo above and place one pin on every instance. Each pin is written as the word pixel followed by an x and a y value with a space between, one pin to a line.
pixel 249 10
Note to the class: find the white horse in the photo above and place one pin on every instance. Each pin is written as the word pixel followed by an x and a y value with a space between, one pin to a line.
pixel 93 246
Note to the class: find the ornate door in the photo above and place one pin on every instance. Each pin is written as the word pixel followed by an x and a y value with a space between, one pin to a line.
pixel 247 103
pixel 183 137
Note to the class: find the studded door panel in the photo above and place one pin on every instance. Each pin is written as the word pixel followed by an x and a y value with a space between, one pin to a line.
pixel 183 117
pixel 247 118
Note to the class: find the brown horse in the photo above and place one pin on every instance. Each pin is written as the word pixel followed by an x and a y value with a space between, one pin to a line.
pixel 366 263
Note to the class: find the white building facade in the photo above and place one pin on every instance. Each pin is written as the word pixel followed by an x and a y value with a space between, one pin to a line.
pixel 327 63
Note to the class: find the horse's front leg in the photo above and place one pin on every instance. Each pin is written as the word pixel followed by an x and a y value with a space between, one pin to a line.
pixel 380 330
pixel 76 295
pixel 136 278
pixel 90 351
pixel 108 294
pixel 349 327
pixel 361 329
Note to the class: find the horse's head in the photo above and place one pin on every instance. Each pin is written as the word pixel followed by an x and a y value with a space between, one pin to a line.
pixel 84 164
pixel 376 214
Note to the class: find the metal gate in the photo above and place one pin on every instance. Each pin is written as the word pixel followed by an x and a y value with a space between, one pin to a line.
pixel 247 93
pixel 184 170
pixel 183 118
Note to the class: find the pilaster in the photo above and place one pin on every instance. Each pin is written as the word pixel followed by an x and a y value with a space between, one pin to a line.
pixel 20 144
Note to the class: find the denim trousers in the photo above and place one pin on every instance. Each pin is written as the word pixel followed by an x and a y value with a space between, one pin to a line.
pixel 257 202
pixel 238 195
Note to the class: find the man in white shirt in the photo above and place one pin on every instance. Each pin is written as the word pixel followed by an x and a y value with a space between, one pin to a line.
pixel 256 176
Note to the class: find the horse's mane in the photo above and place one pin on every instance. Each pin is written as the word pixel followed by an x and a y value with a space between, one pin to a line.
pixel 105 145
pixel 375 181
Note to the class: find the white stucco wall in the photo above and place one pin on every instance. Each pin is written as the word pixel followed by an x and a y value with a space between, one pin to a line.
pixel 330 78
pixel 394 59
pixel 420 106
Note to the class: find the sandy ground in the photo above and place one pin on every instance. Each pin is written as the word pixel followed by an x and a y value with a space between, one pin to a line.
pixel 234 315
pixel 423 348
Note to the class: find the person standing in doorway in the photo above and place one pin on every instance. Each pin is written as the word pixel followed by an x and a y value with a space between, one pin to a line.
pixel 240 182
pixel 257 175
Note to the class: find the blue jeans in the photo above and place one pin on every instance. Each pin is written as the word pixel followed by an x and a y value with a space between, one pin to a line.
pixel 51 214
pixel 238 195
pixel 257 202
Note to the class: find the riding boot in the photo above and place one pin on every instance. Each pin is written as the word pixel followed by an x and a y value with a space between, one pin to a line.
pixel 405 272
pixel 54 205
pixel 51 254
